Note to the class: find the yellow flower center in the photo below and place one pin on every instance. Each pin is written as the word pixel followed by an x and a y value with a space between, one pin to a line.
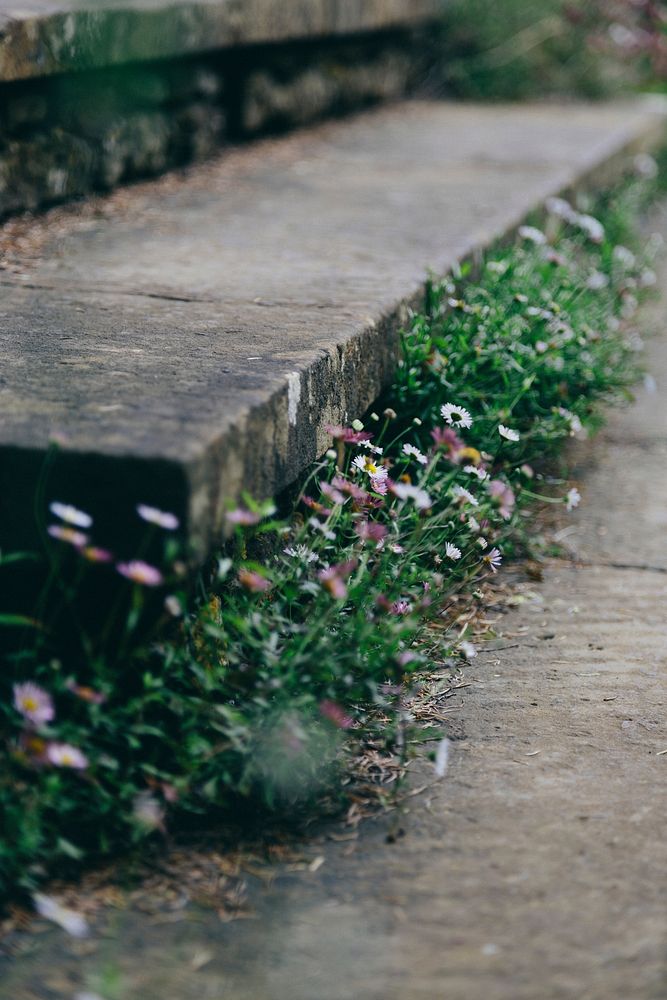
pixel 30 704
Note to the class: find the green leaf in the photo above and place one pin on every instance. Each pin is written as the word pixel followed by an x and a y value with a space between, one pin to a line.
pixel 19 621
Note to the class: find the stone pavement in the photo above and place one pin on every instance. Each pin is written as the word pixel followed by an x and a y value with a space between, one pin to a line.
pixel 186 339
pixel 536 869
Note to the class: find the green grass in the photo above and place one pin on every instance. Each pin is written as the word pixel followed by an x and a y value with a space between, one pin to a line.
pixel 282 659
pixel 523 49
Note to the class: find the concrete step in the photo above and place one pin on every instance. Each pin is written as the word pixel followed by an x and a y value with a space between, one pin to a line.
pixel 189 338
pixel 95 93
pixel 44 37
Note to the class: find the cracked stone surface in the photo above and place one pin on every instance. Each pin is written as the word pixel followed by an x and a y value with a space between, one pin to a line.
pixel 192 337
pixel 535 869
pixel 39 37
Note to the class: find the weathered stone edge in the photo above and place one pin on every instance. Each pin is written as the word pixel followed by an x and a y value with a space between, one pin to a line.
pixel 66 39
pixel 268 447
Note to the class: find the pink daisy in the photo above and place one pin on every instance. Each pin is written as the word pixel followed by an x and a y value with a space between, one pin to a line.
pixel 162 518
pixel 140 572
pixel 33 702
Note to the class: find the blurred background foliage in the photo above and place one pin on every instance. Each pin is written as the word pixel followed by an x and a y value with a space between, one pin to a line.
pixel 518 49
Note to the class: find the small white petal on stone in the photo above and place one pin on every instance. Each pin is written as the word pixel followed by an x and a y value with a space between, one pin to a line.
pixel 74 923
pixel 441 758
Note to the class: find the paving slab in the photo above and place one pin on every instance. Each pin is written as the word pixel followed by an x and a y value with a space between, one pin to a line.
pixel 187 339
pixel 42 37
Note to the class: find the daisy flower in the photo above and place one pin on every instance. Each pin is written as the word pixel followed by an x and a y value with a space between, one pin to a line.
pixel 244 518
pixel 532 234
pixel 173 606
pixel 447 438
pixel 140 572
pixel 370 531
pixel 482 542
pixel 504 497
pixel 474 470
pixel 623 256
pixel 379 482
pixel 596 281
pixel 409 449
pixel 365 463
pixel 33 703
pixel 331 493
pixel 65 755
pixel 493 559
pixel 561 209
pixel 254 582
pixel 405 491
pixel 85 693
pixel 333 578
pixel 452 551
pixel 300 552
pixel 646 165
pixel 572 419
pixel 464 495
pixel 96 555
pixel 572 499
pixel 70 515
pixel 592 227
pixel 317 525
pixel 69 535
pixel 508 433
pixel 162 518
pixel 468 650
pixel 335 713
pixel 148 812
pixel 456 416
pixel 75 924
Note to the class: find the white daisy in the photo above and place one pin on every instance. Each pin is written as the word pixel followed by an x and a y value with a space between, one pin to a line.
pixel 508 433
pixel 474 470
pixel 452 551
pixel 482 542
pixel 645 165
pixel 561 209
pixel 300 552
pixel 409 449
pixel 405 491
pixel 532 234
pixel 572 499
pixel 597 281
pixel 493 560
pixel 456 416
pixel 365 463
pixel 623 256
pixel 572 419
pixel 70 515
pixel 372 447
pixel 317 525
pixel 468 649
pixel 592 227
pixel 473 523
pixel 461 493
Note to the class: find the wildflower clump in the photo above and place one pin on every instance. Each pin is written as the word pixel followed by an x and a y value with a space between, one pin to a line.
pixel 303 630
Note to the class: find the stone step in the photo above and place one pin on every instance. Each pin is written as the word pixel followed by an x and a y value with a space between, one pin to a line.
pixel 44 37
pixel 190 338
pixel 94 94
